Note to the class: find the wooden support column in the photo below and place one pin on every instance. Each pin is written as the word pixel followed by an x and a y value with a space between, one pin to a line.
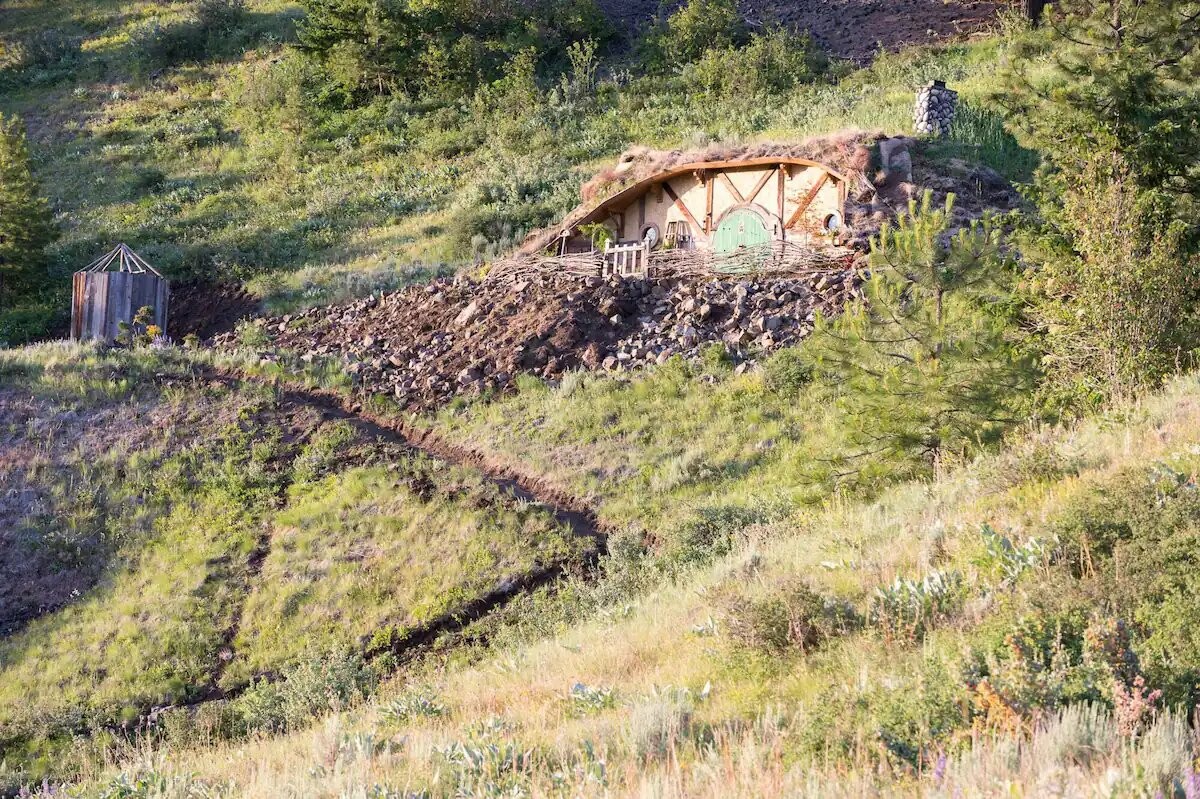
pixel 781 176
pixel 708 207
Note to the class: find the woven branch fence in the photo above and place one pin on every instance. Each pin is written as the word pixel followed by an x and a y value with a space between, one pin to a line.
pixel 776 258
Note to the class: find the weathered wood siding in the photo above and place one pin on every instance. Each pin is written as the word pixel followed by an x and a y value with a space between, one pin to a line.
pixel 102 300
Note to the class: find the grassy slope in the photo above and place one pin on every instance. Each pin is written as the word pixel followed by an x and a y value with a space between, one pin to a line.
pixel 359 553
pixel 656 448
pixel 644 725
pixel 223 166
pixel 182 483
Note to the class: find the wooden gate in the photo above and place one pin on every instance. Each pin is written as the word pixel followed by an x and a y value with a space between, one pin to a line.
pixel 626 260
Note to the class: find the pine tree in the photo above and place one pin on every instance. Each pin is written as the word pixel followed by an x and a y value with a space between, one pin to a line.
pixel 1109 90
pixel 930 361
pixel 25 223
pixel 1120 76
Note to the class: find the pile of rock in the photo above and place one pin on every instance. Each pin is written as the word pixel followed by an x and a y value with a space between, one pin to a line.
pixel 425 345
pixel 746 317
pixel 934 109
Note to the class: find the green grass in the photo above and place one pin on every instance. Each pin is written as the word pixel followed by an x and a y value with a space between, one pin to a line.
pixel 192 534
pixel 360 556
pixel 657 447
pixel 228 164
pixel 872 708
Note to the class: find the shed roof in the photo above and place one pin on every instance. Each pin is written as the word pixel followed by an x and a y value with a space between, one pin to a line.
pixel 124 259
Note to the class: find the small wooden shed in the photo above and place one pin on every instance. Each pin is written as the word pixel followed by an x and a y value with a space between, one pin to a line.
pixel 111 289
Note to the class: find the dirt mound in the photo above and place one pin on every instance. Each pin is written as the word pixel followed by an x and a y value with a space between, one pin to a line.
pixel 206 309
pixel 425 345
pixel 852 29
pixel 848 152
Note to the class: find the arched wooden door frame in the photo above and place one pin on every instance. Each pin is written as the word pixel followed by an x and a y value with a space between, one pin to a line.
pixel 772 222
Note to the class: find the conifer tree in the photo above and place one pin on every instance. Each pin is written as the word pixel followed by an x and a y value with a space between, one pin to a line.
pixel 25 223
pixel 930 361
pixel 1120 76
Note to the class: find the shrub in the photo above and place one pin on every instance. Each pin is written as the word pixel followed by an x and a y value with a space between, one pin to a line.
pixel 792 616
pixel 787 372
pixel 160 45
pixel 220 16
pixel 418 703
pixel 586 699
pixel 773 62
pixel 1117 305
pixel 439 50
pixel 711 532
pixel 48 49
pixel 318 685
pixel 695 28
pixel 904 610
pixel 1009 561
pixel 26 323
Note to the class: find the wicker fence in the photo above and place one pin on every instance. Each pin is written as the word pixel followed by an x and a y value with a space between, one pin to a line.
pixel 780 258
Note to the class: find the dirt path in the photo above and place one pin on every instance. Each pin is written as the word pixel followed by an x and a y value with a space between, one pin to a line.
pixel 226 652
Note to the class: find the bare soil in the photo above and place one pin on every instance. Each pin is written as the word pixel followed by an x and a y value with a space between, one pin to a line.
pixel 206 309
pixel 850 29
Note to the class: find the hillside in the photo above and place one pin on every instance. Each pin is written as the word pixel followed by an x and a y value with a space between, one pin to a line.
pixel 199 156
pixel 894 494
pixel 933 603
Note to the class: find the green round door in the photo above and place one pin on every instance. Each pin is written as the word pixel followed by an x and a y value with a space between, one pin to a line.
pixel 740 228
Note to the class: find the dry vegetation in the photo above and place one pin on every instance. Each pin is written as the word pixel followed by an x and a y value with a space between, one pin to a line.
pixel 663 691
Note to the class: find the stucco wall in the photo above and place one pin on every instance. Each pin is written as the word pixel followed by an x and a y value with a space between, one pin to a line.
pixel 655 205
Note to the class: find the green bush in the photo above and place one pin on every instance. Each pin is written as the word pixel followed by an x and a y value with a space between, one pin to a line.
pixel 26 323
pixel 159 45
pixel 318 685
pixel 906 608
pixel 790 616
pixel 700 25
pixel 220 16
pixel 442 50
pixel 787 372
pixel 711 532
pixel 48 49
pixel 773 62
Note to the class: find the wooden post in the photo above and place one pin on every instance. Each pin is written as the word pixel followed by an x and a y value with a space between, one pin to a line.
pixel 781 175
pixel 708 206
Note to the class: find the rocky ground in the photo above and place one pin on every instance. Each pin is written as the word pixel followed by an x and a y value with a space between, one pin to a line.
pixel 424 345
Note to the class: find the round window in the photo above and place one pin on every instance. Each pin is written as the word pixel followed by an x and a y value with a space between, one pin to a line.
pixel 832 223
pixel 650 236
